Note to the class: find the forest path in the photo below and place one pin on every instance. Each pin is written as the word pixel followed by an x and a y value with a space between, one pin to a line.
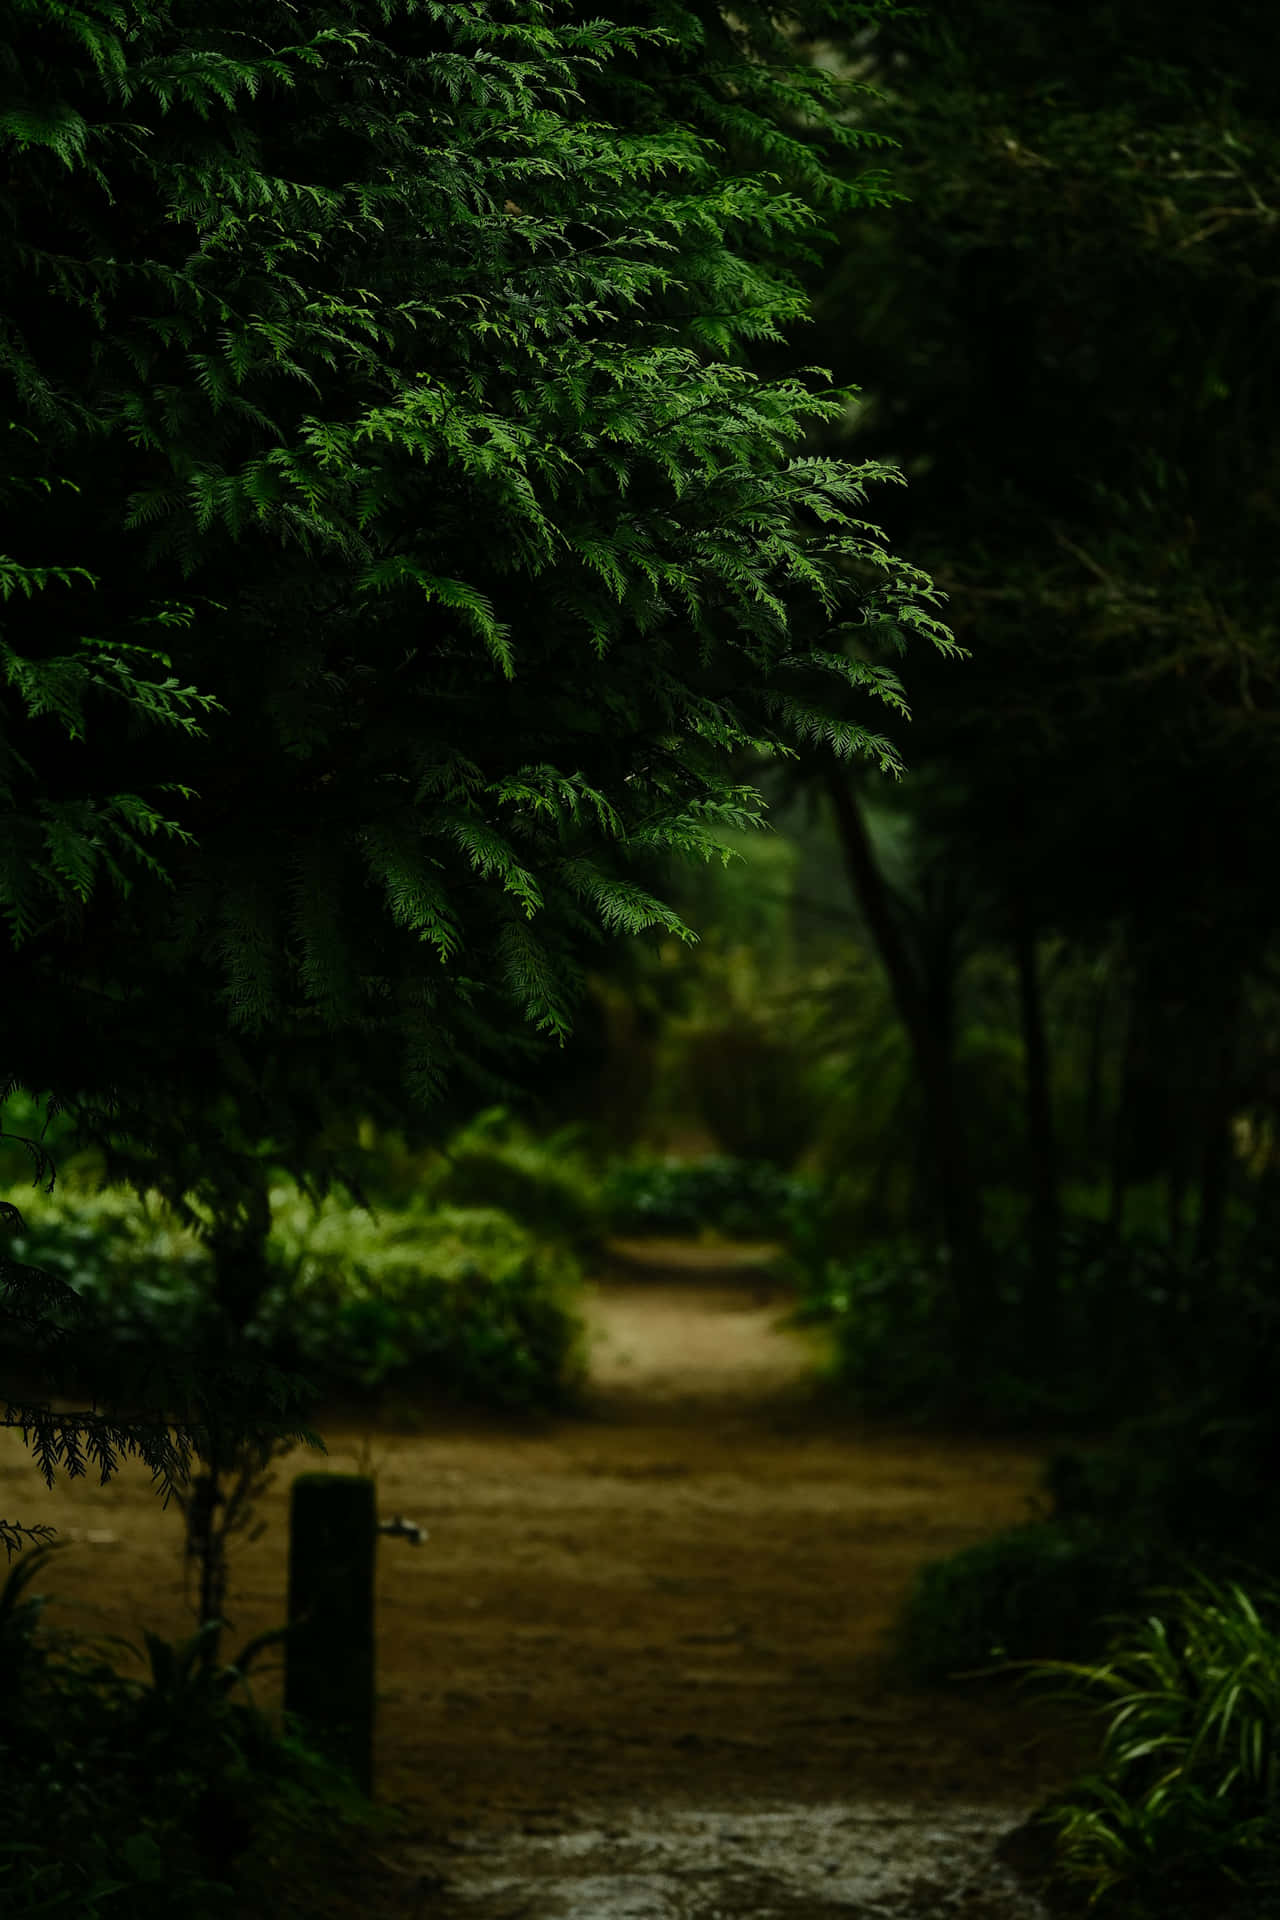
pixel 639 1667
pixel 635 1672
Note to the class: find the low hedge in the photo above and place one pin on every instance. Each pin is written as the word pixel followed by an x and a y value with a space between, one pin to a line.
pixel 461 1303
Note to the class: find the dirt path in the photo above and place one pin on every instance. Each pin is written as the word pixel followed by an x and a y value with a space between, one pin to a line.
pixel 633 1636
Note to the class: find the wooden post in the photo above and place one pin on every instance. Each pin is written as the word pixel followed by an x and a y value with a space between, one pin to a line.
pixel 329 1666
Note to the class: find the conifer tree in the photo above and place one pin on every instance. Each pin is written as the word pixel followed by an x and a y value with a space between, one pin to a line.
pixel 399 549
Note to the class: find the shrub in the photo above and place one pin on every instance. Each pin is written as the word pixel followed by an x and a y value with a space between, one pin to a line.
pixel 1184 1807
pixel 1137 1331
pixel 742 1197
pixel 1194 1481
pixel 885 1308
pixel 462 1303
pixel 544 1184
pixel 1035 1592
pixel 1169 1492
pixel 147 1279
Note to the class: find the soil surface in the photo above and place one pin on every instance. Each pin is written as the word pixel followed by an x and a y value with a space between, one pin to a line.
pixel 637 1666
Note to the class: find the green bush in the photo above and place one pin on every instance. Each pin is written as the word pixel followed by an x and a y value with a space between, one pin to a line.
pixel 544 1184
pixel 885 1309
pixel 461 1303
pixel 1176 1490
pixel 1183 1811
pixel 740 1197
pixel 1195 1481
pixel 1037 1592
pixel 1137 1330
pixel 146 1279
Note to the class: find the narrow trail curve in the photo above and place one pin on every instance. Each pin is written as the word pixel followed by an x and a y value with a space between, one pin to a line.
pixel 637 1670
pixel 634 1673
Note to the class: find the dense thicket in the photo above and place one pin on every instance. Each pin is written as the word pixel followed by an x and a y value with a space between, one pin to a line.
pixel 1069 345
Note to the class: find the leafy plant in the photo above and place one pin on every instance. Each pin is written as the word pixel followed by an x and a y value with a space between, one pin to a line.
pixel 145 1278
pixel 140 1792
pixel 744 1197
pixel 493 1164
pixel 1186 1797
pixel 1196 1479
pixel 462 1303
pixel 1137 1330
pixel 1034 1591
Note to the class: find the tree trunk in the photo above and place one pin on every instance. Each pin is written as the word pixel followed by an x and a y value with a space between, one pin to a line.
pixel 1042 1146
pixel 926 1017
pixel 1093 1092
pixel 1126 1105
pixel 1215 1159
pixel 241 1272
pixel 1176 1203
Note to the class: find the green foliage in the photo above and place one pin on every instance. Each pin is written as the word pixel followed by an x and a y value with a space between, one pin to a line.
pixel 403 352
pixel 886 1309
pixel 1189 1483
pixel 1032 1593
pixel 52 1336
pixel 461 1305
pixel 1135 1327
pixel 545 1184
pixel 1087 261
pixel 120 1795
pixel 872 1112
pixel 1183 1811
pixel 465 1304
pixel 732 1060
pixel 738 1197
pixel 1195 1479
pixel 107 1242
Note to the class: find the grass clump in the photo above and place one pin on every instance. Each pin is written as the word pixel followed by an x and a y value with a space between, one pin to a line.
pixel 1182 1814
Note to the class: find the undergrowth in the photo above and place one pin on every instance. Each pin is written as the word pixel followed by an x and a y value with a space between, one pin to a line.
pixel 124 1798
pixel 463 1304
pixel 1181 1815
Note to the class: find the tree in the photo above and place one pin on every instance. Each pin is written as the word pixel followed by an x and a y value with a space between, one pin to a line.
pixel 1068 349
pixel 404 399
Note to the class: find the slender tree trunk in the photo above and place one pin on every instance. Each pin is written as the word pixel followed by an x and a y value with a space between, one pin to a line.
pixel 241 1276
pixel 1176 1201
pixel 1093 1083
pixel 1043 1153
pixel 1215 1158
pixel 1126 1104
pixel 928 1027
